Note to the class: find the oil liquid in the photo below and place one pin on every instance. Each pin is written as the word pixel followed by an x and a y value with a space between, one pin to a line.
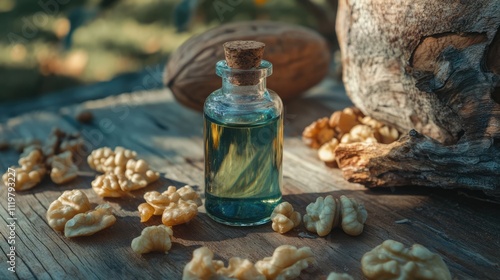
pixel 243 171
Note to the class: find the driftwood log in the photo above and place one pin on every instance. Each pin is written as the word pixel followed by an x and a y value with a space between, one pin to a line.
pixel 432 69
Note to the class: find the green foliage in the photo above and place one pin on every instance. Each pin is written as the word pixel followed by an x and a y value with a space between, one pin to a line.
pixel 125 37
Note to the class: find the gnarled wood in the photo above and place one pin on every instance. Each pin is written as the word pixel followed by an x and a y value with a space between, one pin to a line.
pixel 417 159
pixel 431 66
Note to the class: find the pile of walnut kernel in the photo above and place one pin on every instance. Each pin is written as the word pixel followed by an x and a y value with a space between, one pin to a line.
pixel 54 157
pixel 345 127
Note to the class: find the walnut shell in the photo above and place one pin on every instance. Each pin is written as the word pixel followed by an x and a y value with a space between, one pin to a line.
pixel 300 59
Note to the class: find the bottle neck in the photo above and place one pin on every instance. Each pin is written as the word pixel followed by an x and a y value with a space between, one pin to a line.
pixel 233 88
pixel 243 82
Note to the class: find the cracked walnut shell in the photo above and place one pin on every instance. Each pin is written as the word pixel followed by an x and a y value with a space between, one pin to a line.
pixel 286 263
pixel 66 207
pixel 392 260
pixel 284 218
pixel 88 223
pixel 317 133
pixel 343 121
pixel 153 239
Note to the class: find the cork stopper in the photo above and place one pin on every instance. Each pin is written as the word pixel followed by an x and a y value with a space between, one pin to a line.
pixel 244 55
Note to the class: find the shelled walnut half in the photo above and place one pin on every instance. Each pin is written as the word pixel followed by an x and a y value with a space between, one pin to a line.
pixel 284 218
pixel 31 170
pixel 36 156
pixel 106 160
pixel 153 239
pixel 353 215
pixel 327 213
pixel 63 169
pixel 287 262
pixel 179 212
pixel 392 260
pixel 339 276
pixel 321 215
pixel 88 223
pixel 122 172
pixel 66 207
pixel 175 205
pixel 203 266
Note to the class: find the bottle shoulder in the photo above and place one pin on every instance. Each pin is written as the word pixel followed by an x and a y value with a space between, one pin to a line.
pixel 243 109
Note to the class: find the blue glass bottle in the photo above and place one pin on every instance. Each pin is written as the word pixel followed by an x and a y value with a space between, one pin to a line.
pixel 243 133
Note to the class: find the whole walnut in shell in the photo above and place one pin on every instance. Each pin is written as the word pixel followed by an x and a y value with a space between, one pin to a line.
pixel 300 59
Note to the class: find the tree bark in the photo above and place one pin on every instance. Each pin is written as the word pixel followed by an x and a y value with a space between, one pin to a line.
pixel 432 66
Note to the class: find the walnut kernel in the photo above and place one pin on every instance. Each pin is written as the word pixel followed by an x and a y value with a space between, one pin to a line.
pixel 353 216
pixel 286 263
pixel 153 239
pixel 63 169
pixel 179 212
pixel 88 223
pixel 146 211
pixel 284 218
pixel 391 260
pixel 66 207
pixel 321 215
pixel 339 276
pixel 202 265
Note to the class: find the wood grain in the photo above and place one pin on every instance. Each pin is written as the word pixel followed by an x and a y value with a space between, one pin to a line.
pixel 463 231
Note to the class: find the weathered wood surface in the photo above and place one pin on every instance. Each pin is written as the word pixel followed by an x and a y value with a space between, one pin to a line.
pixel 464 231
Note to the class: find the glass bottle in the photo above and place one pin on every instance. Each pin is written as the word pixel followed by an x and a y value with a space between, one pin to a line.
pixel 243 134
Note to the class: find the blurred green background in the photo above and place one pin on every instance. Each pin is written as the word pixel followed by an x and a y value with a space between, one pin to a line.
pixel 50 45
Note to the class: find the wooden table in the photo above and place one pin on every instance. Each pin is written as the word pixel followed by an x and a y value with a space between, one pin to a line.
pixel 464 231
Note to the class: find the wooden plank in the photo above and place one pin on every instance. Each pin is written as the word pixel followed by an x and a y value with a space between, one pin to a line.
pixel 147 79
pixel 463 231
